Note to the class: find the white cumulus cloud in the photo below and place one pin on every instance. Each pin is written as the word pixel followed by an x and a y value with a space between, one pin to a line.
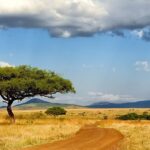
pixel 69 18
pixel 142 66
pixel 4 64
pixel 109 96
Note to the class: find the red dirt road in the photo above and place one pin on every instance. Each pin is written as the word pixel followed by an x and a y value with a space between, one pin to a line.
pixel 87 138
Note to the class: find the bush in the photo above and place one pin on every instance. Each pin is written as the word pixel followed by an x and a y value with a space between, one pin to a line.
pixel 55 111
pixel 105 117
pixel 134 116
pixel 145 116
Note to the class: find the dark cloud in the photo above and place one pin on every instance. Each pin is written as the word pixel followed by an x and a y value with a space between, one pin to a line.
pixel 72 18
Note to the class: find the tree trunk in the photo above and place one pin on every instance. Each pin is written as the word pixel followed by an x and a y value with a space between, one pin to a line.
pixel 10 112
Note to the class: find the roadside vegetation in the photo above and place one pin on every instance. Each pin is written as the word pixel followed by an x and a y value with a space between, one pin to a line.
pixel 136 134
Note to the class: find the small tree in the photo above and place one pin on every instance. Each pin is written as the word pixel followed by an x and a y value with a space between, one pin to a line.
pixel 55 111
pixel 17 83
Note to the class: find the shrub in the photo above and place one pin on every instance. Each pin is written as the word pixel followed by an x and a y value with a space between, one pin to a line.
pixel 145 116
pixel 134 116
pixel 55 111
pixel 105 117
pixel 130 116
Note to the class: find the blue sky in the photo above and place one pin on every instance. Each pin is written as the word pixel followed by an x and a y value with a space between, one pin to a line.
pixel 101 67
pixel 103 49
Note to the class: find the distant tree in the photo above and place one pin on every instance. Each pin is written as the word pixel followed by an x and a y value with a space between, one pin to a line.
pixel 17 83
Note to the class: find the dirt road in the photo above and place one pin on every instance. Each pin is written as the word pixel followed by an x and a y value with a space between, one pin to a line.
pixel 87 138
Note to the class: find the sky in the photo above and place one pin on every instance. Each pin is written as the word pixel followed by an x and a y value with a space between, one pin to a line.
pixel 103 47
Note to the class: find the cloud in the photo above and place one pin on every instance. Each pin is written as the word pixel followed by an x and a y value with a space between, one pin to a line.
pixel 142 66
pixel 109 96
pixel 143 34
pixel 68 99
pixel 4 64
pixel 70 18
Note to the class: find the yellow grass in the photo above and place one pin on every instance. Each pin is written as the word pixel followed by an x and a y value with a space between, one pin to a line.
pixel 16 136
pixel 137 137
pixel 136 133
pixel 34 127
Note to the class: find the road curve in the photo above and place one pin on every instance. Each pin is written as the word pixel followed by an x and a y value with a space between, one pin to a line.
pixel 89 137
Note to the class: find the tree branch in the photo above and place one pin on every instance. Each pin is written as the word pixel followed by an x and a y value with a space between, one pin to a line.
pixel 5 102
pixel 51 96
pixel 4 97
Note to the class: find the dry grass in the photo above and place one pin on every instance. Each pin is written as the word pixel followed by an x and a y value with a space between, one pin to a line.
pixel 136 134
pixel 34 127
pixel 18 136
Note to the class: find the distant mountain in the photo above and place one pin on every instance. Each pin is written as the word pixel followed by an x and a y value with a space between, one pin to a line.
pixel 139 104
pixel 36 103
pixel 34 100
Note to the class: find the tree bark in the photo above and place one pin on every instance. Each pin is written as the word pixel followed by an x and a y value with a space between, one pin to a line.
pixel 10 112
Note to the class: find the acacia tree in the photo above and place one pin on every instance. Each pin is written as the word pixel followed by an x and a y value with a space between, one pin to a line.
pixel 17 83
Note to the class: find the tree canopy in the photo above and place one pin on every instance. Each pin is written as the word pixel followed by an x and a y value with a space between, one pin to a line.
pixel 17 83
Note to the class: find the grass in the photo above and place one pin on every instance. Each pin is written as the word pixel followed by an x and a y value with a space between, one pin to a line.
pixel 137 136
pixel 16 136
pixel 35 127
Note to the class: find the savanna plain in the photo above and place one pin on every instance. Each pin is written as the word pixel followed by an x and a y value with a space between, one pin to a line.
pixel 34 127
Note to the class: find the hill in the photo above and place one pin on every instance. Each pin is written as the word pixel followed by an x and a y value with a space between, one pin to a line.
pixel 139 104
pixel 36 103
